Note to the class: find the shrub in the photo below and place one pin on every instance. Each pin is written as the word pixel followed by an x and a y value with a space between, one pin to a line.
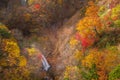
pixel 115 73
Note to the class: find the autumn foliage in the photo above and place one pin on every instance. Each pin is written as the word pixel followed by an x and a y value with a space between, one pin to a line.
pixel 11 62
pixel 85 49
pixel 98 63
pixel 89 27
pixel 104 60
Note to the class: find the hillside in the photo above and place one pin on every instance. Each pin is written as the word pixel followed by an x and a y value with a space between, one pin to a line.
pixel 60 40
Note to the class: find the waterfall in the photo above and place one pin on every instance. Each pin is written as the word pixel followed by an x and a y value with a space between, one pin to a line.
pixel 23 2
pixel 46 65
pixel 44 61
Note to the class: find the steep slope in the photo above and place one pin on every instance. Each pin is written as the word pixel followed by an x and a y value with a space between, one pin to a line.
pixel 63 54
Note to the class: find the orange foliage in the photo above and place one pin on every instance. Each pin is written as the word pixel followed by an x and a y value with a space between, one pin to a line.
pixel 92 10
pixel 90 26
pixel 104 60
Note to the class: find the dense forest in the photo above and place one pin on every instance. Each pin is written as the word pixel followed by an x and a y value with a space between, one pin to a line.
pixel 59 39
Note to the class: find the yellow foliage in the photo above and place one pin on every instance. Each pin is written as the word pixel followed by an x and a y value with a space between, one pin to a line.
pixel 22 61
pixel 91 19
pixel 31 51
pixel 87 25
pixel 90 26
pixel 78 55
pixel 11 47
pixel 72 73
pixel 30 2
pixel 11 51
pixel 73 42
pixel 10 57
pixel 104 60
pixel 88 61
pixel 108 57
pixel 112 57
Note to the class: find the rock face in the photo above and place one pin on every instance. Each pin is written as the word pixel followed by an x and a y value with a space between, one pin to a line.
pixel 63 52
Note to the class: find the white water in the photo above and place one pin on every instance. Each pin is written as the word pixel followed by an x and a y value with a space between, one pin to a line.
pixel 45 63
pixel 23 2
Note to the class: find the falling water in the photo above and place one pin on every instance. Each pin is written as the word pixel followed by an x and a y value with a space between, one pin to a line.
pixel 44 61
pixel 46 65
pixel 23 2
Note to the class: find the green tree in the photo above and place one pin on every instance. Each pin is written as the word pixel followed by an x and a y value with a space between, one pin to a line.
pixel 91 74
pixel 115 73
